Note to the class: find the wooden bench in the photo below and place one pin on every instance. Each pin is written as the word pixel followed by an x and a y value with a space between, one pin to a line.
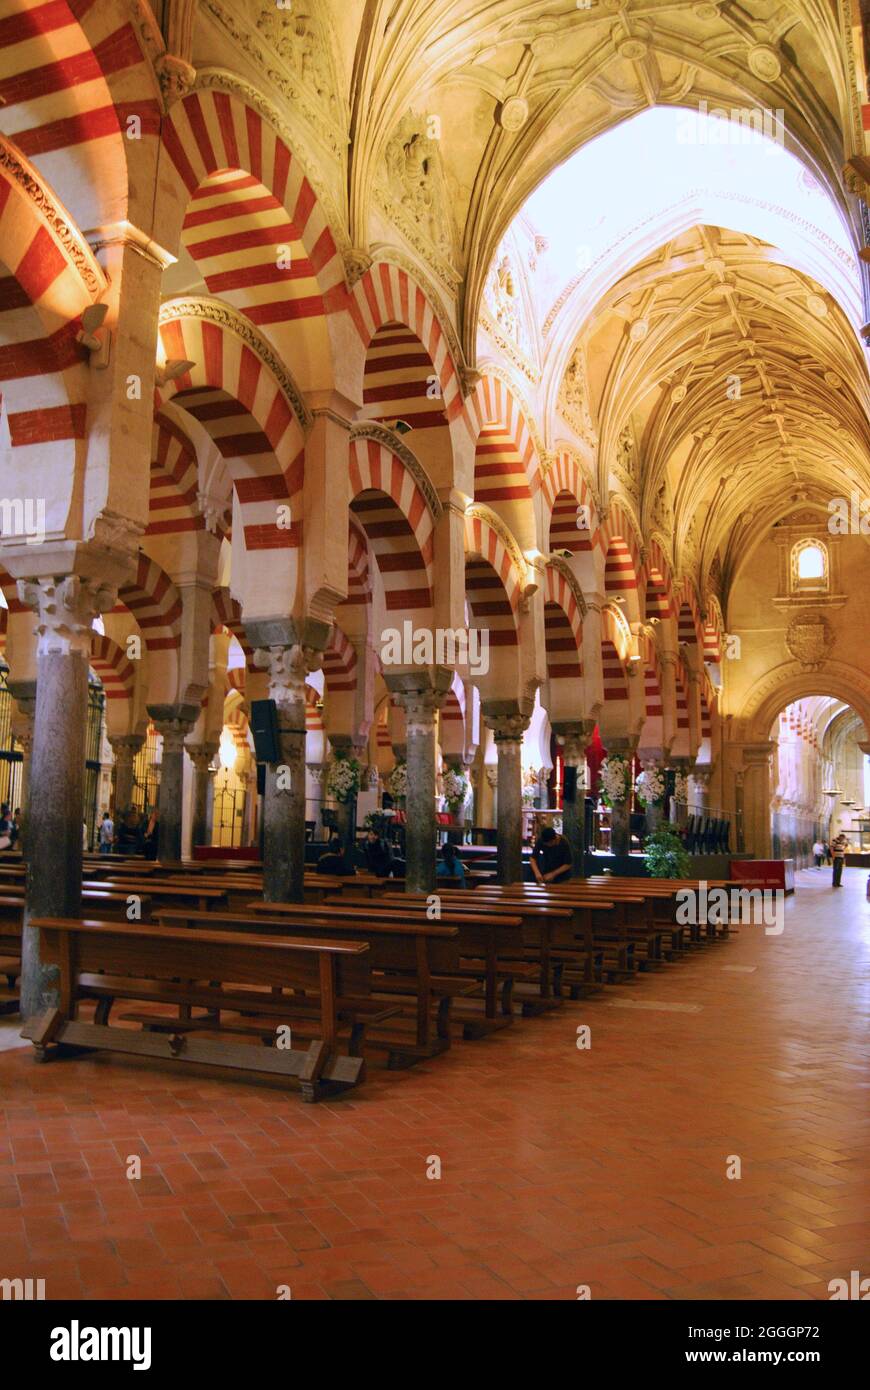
pixel 102 961
pixel 159 891
pixel 549 943
pixel 491 948
pixel 416 959
pixel 600 922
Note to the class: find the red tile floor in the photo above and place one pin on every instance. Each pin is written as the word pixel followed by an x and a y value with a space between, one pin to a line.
pixel 559 1167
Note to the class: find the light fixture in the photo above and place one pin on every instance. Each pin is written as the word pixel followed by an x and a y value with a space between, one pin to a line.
pixel 172 368
pixel 92 319
pixel 227 750
pixel 402 427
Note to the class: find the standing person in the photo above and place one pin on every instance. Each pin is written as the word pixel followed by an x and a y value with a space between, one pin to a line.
pixel 107 834
pixel 551 858
pixel 818 853
pixel 150 837
pixel 838 850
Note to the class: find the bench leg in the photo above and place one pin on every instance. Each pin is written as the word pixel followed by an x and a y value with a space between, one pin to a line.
pixel 315 1061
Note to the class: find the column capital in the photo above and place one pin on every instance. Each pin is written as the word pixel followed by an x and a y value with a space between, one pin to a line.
pixel 201 754
pixel 125 746
pixel 66 609
pixel 288 666
pixel 574 736
pixel 621 747
pixel 507 728
pixel 173 723
pixel 420 708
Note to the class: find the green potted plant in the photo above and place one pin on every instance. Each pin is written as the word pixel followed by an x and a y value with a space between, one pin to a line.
pixel 664 854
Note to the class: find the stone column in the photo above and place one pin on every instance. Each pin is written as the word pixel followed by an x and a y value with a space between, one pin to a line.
pixel 66 609
pixel 284 801
pixel 620 822
pixel 574 738
pixel 420 708
pixel 345 811
pixel 508 730
pixel 125 747
pixel 201 755
pixel 684 767
pixel 173 723
pixel 756 798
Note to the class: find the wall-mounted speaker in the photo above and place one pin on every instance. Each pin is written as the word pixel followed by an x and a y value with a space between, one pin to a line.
pixel 264 730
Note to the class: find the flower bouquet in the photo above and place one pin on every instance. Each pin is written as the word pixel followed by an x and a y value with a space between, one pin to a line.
pixel 343 779
pixel 614 780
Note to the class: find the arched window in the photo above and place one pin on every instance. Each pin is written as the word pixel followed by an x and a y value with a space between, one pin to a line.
pixel 809 566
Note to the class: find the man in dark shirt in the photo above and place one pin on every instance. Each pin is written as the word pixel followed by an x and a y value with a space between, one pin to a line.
pixel 551 859
pixel 334 861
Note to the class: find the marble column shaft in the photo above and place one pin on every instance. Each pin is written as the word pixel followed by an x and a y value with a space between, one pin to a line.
pixel 66 609
pixel 508 733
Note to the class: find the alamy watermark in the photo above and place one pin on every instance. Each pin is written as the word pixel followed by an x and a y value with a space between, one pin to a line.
pixel 440 646
pixel 737 125
pixel 736 906
pixel 23 516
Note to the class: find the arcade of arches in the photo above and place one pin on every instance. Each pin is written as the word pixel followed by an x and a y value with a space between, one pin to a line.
pixel 343 323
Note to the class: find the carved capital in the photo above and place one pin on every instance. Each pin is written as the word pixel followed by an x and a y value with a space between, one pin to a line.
pixel 201 754
pixel 420 708
pixel 66 609
pixel 125 747
pixel 508 728
pixel 288 668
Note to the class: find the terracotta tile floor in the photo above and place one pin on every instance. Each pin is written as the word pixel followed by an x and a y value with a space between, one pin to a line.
pixel 604 1167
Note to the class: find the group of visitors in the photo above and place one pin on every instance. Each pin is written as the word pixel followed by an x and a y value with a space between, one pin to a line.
pixel 135 833
pixel 551 858
pixel 10 826
pixel 833 854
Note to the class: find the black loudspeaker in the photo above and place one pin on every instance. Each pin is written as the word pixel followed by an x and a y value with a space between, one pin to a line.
pixel 261 779
pixel 569 785
pixel 264 728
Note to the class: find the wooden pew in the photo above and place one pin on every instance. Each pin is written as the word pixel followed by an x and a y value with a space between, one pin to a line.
pixel 160 892
pixel 412 958
pixel 491 944
pixel 552 939
pixel 630 921
pixel 601 922
pixel 103 961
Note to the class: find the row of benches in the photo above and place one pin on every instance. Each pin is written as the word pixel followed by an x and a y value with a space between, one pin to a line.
pixel 360 974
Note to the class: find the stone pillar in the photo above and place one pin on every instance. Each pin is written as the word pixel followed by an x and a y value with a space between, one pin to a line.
pixel 173 723
pixel 201 755
pixel 345 811
pixel 125 747
pixel 66 609
pixel 620 813
pixel 574 739
pixel 284 801
pixel 756 798
pixel 508 730
pixel 420 708
pixel 684 767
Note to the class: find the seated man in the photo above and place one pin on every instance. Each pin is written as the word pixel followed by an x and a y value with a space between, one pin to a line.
pixel 334 861
pixel 379 860
pixel 450 865
pixel 551 859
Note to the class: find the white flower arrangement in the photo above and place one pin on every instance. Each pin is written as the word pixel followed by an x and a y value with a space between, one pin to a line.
pixel 398 780
pixel 343 779
pixel 681 787
pixel 650 784
pixel 455 785
pixel 614 780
